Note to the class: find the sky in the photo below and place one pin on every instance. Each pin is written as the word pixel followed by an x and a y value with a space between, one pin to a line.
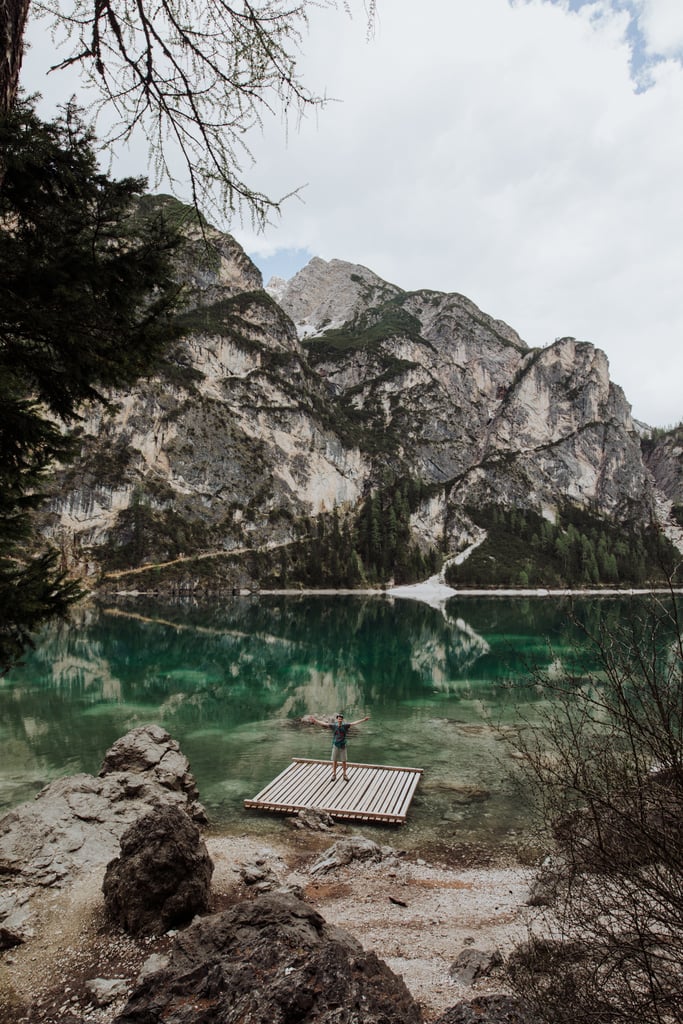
pixel 525 153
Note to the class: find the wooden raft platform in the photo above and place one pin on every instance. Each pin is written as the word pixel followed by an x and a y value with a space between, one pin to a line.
pixel 374 792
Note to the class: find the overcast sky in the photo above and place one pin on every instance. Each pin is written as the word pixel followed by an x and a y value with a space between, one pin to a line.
pixel 527 154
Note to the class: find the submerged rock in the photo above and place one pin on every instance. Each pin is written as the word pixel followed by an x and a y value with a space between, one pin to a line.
pixel 271 959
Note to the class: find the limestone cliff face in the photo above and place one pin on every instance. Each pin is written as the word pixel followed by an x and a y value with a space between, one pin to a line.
pixel 457 398
pixel 282 404
pixel 664 458
pixel 663 455
pixel 226 450
pixel 420 375
pixel 563 430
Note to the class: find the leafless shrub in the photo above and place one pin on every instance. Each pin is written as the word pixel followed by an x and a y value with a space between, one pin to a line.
pixel 607 773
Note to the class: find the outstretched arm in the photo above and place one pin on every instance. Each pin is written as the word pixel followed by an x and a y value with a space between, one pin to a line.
pixel 320 721
pixel 360 720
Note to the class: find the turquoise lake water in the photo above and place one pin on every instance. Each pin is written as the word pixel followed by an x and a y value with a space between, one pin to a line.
pixel 231 680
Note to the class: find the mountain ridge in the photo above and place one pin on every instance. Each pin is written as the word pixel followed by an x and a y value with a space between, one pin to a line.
pixel 338 411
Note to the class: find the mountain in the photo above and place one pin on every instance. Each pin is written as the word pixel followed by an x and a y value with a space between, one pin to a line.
pixel 335 429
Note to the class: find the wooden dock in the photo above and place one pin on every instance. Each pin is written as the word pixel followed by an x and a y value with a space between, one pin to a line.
pixel 374 792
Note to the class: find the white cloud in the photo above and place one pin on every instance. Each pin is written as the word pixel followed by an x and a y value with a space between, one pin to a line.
pixel 661 23
pixel 502 150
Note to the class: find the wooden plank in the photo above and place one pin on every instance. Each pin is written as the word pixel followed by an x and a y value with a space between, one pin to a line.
pixel 408 796
pixel 388 784
pixel 300 781
pixel 361 785
pixel 381 796
pixel 295 790
pixel 345 798
pixel 370 789
pixel 283 792
pixel 298 792
pixel 319 793
pixel 364 796
pixel 280 785
pixel 391 796
pixel 373 796
pixel 359 764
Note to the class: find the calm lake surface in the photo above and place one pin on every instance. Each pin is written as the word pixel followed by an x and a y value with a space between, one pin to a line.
pixel 231 680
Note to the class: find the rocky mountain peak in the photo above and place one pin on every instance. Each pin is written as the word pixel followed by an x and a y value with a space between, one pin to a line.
pixel 324 295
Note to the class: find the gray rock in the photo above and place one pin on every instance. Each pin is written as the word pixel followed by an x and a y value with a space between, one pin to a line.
pixel 155 962
pixel 259 877
pixel 104 991
pixel 15 918
pixel 664 459
pixel 346 850
pixel 327 294
pixel 76 823
pixel 270 959
pixel 494 1009
pixel 544 886
pixel 151 751
pixel 291 889
pixel 252 873
pixel 162 877
pixel 451 392
pixel 316 821
pixel 472 964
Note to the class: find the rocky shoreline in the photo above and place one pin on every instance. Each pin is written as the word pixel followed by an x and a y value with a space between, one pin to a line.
pixel 325 908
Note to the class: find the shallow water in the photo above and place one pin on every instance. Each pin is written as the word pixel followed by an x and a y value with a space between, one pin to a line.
pixel 230 681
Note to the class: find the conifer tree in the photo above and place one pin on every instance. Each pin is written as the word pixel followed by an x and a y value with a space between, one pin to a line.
pixel 86 304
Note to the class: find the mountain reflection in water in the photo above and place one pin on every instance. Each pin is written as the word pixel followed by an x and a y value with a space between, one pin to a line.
pixel 231 679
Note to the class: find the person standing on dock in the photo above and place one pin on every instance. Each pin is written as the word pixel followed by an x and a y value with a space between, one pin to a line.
pixel 340 730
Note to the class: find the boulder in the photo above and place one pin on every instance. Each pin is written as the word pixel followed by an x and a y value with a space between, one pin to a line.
pixel 494 1009
pixel 151 751
pixel 104 991
pixel 270 959
pixel 162 877
pixel 472 964
pixel 15 918
pixel 314 820
pixel 346 850
pixel 76 823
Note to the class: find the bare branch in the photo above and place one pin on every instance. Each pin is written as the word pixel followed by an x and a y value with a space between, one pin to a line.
pixel 195 78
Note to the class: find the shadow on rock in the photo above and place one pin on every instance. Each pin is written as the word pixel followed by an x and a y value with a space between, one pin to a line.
pixel 271 959
pixel 495 1009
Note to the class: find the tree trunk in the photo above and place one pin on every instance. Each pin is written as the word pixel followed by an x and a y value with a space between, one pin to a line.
pixel 13 14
